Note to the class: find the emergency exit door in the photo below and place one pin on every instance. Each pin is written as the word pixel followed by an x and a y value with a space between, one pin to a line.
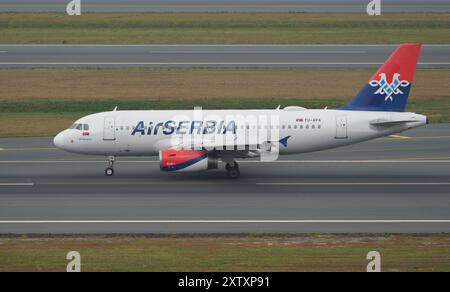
pixel 341 127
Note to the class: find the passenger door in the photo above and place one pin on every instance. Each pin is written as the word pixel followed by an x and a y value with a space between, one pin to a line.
pixel 109 129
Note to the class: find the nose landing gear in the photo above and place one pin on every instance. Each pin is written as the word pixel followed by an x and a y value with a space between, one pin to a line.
pixel 109 171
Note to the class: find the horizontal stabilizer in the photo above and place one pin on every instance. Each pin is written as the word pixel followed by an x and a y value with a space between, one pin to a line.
pixel 384 122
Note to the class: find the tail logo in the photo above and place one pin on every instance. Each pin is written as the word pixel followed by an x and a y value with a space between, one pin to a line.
pixel 389 89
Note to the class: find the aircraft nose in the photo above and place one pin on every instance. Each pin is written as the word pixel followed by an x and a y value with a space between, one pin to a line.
pixel 59 140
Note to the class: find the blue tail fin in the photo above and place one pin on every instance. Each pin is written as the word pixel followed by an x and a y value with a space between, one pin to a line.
pixel 389 87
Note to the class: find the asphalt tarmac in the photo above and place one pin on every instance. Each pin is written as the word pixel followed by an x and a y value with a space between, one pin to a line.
pixel 319 6
pixel 395 184
pixel 317 56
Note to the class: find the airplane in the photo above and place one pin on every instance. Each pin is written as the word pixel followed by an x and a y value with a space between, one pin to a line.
pixel 197 140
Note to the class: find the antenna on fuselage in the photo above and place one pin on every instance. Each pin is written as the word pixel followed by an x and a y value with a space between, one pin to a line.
pixel 115 109
pixel 278 107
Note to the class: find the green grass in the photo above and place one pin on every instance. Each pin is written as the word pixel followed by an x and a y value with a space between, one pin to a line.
pixel 36 102
pixel 229 253
pixel 224 28
pixel 83 106
pixel 438 109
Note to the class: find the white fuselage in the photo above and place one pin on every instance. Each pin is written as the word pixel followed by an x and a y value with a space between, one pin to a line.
pixel 114 133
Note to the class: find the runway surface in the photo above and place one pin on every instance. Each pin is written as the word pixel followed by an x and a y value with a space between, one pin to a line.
pixel 224 6
pixel 432 56
pixel 396 184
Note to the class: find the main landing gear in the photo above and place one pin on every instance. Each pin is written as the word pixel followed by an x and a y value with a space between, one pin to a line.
pixel 109 171
pixel 233 170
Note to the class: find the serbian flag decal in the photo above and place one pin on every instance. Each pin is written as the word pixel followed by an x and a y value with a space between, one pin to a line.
pixel 388 89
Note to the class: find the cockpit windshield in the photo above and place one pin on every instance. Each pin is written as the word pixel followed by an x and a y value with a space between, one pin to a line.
pixel 80 127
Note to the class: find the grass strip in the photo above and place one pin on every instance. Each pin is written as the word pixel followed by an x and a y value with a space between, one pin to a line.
pixel 241 253
pixel 279 28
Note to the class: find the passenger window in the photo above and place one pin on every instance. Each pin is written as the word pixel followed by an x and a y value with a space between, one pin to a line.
pixel 86 127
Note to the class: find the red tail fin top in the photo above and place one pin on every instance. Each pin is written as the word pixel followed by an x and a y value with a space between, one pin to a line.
pixel 403 61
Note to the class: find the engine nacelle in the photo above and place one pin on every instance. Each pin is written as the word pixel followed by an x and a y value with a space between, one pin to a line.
pixel 186 160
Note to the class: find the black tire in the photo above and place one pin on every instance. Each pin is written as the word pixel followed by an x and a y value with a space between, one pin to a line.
pixel 109 171
pixel 233 173
pixel 228 166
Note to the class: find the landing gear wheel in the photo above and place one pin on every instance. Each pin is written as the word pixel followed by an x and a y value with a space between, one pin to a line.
pixel 229 166
pixel 233 171
pixel 109 171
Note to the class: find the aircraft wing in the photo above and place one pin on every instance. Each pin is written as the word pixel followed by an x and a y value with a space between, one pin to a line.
pixel 247 148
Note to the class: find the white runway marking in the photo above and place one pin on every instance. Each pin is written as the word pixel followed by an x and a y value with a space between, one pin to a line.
pixel 240 161
pixel 431 137
pixel 399 137
pixel 388 221
pixel 354 184
pixel 16 184
pixel 29 149
pixel 208 64
pixel 204 183
pixel 257 52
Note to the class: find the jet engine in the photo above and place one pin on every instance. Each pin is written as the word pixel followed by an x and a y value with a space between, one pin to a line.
pixel 186 160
